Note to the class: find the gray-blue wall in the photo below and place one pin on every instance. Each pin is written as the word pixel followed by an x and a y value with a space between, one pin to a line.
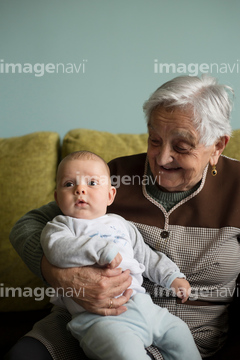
pixel 92 63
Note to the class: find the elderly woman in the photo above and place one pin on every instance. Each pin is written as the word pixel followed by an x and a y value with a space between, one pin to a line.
pixel 184 197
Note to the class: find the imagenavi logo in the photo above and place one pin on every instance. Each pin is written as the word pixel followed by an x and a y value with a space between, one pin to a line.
pixel 40 69
pixel 193 69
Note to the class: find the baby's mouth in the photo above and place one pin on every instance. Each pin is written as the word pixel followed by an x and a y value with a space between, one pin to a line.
pixel 80 202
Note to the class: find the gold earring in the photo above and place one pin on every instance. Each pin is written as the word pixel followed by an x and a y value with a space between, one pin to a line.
pixel 214 170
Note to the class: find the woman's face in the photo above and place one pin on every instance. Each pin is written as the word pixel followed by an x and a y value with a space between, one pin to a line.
pixel 176 158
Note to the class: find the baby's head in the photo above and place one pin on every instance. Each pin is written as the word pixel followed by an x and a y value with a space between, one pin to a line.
pixel 84 186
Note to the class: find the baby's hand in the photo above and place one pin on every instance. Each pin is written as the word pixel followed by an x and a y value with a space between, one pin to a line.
pixel 115 262
pixel 182 288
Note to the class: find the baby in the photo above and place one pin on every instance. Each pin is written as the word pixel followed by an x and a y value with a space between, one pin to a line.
pixel 87 235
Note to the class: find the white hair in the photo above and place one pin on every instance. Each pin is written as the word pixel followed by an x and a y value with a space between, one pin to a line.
pixel 209 101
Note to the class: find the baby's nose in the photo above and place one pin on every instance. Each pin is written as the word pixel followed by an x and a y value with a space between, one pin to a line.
pixel 80 189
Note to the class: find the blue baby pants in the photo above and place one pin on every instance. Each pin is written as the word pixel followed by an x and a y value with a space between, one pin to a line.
pixel 125 337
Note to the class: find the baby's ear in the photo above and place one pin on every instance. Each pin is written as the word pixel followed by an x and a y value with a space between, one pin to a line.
pixel 55 196
pixel 111 194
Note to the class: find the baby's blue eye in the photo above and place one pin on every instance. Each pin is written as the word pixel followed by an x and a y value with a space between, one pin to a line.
pixel 92 183
pixel 68 184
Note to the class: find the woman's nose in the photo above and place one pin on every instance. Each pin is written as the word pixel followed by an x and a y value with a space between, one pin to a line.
pixel 164 156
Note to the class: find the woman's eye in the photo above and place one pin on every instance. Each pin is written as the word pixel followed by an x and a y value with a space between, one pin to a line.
pixel 155 142
pixel 181 149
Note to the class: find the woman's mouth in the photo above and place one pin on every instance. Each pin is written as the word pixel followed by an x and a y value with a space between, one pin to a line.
pixel 169 169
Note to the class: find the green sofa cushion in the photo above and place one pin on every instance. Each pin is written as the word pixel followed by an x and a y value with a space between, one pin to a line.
pixel 27 180
pixel 110 146
pixel 105 144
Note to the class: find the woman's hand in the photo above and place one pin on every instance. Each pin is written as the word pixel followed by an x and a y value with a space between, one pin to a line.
pixel 92 287
pixel 182 288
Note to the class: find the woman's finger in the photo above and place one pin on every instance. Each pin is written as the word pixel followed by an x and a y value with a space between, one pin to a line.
pixel 121 286
pixel 112 307
pixel 106 287
pixel 115 262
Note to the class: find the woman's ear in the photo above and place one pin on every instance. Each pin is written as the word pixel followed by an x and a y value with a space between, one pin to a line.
pixel 218 149
pixel 111 195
